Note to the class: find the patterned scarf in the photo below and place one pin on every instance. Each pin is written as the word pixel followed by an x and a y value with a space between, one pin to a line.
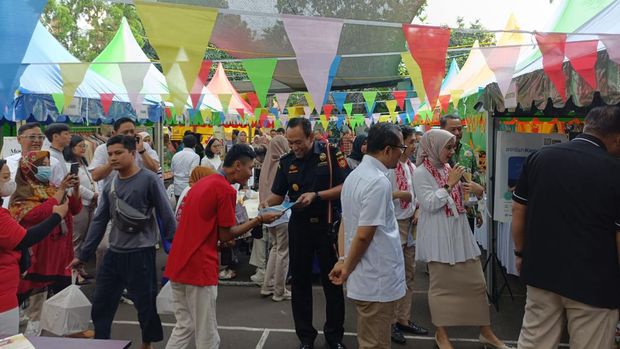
pixel 401 180
pixel 441 176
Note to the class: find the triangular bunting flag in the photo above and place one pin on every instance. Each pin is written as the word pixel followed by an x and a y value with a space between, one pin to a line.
pixel 312 124
pixel 370 97
pixel 260 71
pixel 415 74
pixel 72 76
pixel 310 101
pixel 456 97
pixel 200 82
pixel 180 34
pixel 133 75
pixel 415 103
pixel 582 56
pixel 241 113
pixel 612 44
pixel 391 105
pixel 106 101
pixel 444 103
pixel 399 96
pixel 339 99
pixel 59 101
pixel 282 98
pixel 428 46
pixel 368 122
pixel 333 70
pixel 552 47
pixel 348 108
pixel 315 41
pixel 324 121
pixel 225 101
pixel 502 61
pixel 307 111
pixel 376 117
pixel 136 99
pixel 253 100
pixel 327 109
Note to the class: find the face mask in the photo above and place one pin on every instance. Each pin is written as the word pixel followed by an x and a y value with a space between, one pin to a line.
pixel 8 188
pixel 43 173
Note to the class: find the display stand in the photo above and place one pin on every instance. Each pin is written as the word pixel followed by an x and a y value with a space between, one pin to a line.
pixel 492 263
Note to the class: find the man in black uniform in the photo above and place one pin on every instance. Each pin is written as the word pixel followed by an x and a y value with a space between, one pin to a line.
pixel 312 174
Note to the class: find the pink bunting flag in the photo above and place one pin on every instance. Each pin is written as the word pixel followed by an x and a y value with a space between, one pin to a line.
pixel 428 46
pixel 282 99
pixel 200 82
pixel 307 111
pixel 502 61
pixel 133 75
pixel 315 41
pixel 399 96
pixel 552 47
pixel 368 122
pixel 612 44
pixel 375 117
pixel 582 56
pixel 136 100
pixel 106 101
pixel 415 103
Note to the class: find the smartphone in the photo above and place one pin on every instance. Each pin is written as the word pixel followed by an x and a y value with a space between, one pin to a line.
pixel 138 138
pixel 75 168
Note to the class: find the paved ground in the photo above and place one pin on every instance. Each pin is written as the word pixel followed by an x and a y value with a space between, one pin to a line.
pixel 247 320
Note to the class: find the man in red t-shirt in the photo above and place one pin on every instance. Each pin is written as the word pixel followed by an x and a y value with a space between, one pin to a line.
pixel 208 216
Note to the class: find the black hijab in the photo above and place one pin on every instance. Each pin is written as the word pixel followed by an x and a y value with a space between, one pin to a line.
pixel 356 153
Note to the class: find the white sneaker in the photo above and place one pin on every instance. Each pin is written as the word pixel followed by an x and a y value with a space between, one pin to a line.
pixel 283 297
pixel 259 277
pixel 33 329
pixel 266 292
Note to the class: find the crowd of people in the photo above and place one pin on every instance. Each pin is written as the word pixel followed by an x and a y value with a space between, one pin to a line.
pixel 365 209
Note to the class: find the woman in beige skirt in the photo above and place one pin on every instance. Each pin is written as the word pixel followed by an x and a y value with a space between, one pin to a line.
pixel 457 292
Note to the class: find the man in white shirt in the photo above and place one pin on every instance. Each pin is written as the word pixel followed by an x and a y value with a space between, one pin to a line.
pixel 30 138
pixel 59 137
pixel 369 241
pixel 405 209
pixel 183 163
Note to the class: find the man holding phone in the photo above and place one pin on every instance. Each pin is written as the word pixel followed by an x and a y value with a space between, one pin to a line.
pixel 59 137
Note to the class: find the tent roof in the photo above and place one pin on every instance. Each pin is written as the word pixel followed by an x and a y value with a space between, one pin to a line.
pixel 220 84
pixel 41 77
pixel 244 36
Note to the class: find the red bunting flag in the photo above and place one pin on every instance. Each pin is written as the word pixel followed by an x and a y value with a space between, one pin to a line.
pixel 200 82
pixel 444 102
pixel 399 96
pixel 428 46
pixel 552 47
pixel 106 101
pixel 241 113
pixel 253 99
pixel 327 109
pixel 582 56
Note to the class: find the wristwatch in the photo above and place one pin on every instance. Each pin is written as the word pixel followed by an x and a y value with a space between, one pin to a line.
pixel 318 196
pixel 447 188
pixel 142 151
pixel 518 254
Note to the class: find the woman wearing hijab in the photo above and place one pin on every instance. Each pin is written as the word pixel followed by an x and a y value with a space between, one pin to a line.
pixel 13 239
pixel 213 152
pixel 146 138
pixel 277 265
pixel 197 174
pixel 359 149
pixel 457 292
pixel 32 203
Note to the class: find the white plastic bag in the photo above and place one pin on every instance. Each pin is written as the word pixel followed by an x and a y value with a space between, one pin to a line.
pixel 67 312
pixel 164 300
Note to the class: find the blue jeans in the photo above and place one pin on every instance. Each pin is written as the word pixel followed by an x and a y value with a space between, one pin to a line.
pixel 136 272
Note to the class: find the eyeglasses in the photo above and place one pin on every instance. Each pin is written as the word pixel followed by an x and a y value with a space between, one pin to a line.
pixel 33 138
pixel 401 147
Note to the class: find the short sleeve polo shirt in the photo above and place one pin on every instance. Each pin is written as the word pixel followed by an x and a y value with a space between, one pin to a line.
pixel 572 193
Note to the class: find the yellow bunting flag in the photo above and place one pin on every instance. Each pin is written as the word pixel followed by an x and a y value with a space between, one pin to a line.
pixel 309 101
pixel 415 74
pixel 72 75
pixel 324 121
pixel 456 97
pixel 391 105
pixel 180 35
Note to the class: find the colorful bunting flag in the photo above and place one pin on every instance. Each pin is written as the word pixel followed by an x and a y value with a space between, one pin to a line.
pixel 370 97
pixel 552 47
pixel 225 101
pixel 582 56
pixel 399 96
pixel 339 99
pixel 324 121
pixel 333 70
pixel 391 106
pixel 180 34
pixel 315 42
pixel 612 44
pixel 444 103
pixel 327 109
pixel 502 61
pixel 282 99
pixel 253 100
pixel 428 46
pixel 59 101
pixel 307 111
pixel 133 75
pixel 260 71
pixel 415 74
pixel 368 122
pixel 200 82
pixel 310 101
pixel 106 101
pixel 415 103
pixel 456 97
pixel 348 108
pixel 72 76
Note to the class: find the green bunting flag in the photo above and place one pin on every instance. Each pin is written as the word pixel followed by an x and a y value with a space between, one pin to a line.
pixel 348 108
pixel 225 101
pixel 369 97
pixel 59 101
pixel 260 71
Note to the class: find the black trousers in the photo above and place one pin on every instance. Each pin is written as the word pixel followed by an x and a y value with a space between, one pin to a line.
pixel 305 241
pixel 136 272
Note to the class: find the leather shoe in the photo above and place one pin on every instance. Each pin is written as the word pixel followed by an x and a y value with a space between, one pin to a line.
pixel 338 345
pixel 412 328
pixel 306 346
pixel 397 336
